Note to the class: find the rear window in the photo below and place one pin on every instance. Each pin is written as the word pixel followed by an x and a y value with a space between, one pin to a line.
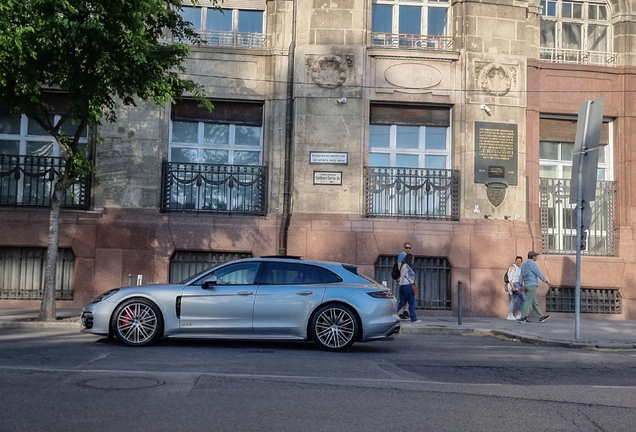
pixel 353 269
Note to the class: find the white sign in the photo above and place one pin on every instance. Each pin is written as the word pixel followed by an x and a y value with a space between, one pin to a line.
pixel 340 158
pixel 328 178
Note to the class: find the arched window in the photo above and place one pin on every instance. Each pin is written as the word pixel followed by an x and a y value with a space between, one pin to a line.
pixel 576 32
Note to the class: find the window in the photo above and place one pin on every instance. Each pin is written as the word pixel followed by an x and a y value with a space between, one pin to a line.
pixel 22 273
pixel 410 23
pixel 228 27
pixel 282 273
pixel 409 161
pixel 29 163
pixel 236 274
pixel 558 216
pixel 185 264
pixel 576 32
pixel 597 301
pixel 215 158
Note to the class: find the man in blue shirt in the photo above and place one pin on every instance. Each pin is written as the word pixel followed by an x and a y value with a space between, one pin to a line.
pixel 530 275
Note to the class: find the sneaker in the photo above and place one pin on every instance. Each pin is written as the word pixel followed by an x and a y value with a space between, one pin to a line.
pixel 511 318
pixel 523 320
pixel 404 316
pixel 416 321
pixel 518 317
pixel 544 318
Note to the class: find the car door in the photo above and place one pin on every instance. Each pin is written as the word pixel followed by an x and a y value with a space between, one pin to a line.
pixel 224 306
pixel 286 296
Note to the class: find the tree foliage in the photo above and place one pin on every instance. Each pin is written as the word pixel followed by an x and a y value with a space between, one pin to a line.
pixel 101 54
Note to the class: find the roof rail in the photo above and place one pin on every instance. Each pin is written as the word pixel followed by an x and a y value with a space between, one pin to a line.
pixel 283 256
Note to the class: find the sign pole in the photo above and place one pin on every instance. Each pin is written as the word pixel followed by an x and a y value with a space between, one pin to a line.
pixel 579 227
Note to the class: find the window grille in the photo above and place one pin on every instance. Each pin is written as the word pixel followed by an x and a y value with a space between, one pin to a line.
pixel 598 301
pixel 22 273
pixel 433 278
pixel 184 264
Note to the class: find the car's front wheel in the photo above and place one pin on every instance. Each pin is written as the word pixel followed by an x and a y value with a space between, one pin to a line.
pixel 137 322
pixel 334 327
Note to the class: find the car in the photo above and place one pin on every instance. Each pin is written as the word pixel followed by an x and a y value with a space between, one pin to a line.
pixel 278 298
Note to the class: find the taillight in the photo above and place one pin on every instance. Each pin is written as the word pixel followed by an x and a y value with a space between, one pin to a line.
pixel 384 294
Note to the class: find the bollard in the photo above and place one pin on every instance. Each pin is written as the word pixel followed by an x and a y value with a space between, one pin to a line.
pixel 459 303
pixel 129 280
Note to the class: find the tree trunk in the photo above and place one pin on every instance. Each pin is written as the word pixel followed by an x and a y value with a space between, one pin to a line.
pixel 47 307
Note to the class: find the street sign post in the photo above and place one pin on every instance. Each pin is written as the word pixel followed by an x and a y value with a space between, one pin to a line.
pixel 583 183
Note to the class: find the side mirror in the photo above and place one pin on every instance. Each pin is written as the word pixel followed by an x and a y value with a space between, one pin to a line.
pixel 210 282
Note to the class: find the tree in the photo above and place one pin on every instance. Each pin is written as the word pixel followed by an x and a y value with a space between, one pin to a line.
pixel 100 54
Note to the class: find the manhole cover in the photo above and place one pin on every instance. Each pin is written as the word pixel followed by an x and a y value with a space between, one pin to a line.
pixel 120 383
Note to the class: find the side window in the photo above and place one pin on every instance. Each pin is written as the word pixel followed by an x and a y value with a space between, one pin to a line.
pixel 235 274
pixel 281 273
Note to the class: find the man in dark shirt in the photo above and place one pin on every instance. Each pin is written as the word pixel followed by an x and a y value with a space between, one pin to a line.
pixel 530 275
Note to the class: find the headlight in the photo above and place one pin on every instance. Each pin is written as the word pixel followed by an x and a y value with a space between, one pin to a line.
pixel 104 296
pixel 385 294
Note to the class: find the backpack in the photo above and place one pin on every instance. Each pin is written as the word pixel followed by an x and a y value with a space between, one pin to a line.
pixel 395 271
pixel 506 280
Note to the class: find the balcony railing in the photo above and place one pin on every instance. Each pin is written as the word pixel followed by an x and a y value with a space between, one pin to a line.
pixel 208 188
pixel 232 39
pixel 558 55
pixel 412 41
pixel 558 219
pixel 412 193
pixel 29 180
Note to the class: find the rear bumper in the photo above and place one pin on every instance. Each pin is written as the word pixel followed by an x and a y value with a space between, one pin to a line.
pixel 393 329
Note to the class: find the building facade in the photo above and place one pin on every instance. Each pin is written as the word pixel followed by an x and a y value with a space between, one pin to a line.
pixel 342 129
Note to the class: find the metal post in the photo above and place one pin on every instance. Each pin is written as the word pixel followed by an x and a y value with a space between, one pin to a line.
pixel 459 303
pixel 579 227
pixel 129 280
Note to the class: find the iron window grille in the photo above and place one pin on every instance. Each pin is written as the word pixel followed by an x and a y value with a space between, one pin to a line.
pixel 558 219
pixel 412 193
pixel 433 278
pixel 598 301
pixel 29 181
pixel 22 273
pixel 184 264
pixel 212 188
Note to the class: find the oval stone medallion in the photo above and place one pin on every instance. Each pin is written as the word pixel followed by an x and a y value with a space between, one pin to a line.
pixel 413 75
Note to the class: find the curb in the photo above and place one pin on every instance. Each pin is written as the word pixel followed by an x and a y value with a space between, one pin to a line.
pixel 20 325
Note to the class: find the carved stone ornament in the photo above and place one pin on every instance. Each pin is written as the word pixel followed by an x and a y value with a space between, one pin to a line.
pixel 329 71
pixel 495 79
pixel 496 192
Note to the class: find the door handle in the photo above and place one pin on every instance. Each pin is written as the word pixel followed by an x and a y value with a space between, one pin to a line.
pixel 304 293
pixel 244 293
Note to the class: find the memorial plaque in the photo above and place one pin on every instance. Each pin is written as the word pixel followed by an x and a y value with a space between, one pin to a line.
pixel 496 149
pixel 331 178
pixel 335 158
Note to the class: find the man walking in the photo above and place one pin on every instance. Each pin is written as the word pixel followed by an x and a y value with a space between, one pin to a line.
pixel 530 275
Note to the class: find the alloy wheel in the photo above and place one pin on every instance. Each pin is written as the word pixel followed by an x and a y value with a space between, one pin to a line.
pixel 136 323
pixel 335 328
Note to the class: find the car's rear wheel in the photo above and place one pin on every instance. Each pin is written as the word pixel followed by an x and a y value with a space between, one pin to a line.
pixel 334 327
pixel 137 322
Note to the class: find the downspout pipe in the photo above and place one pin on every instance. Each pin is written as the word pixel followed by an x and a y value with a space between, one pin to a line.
pixel 289 130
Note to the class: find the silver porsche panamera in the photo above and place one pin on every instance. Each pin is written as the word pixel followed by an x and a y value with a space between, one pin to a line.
pixel 328 303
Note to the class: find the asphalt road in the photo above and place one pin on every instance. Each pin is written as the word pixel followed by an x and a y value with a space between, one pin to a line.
pixel 61 381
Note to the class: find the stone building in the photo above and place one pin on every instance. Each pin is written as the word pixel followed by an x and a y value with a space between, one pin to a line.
pixel 342 129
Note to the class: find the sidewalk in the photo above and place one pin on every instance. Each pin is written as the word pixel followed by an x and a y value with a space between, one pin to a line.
pixel 603 334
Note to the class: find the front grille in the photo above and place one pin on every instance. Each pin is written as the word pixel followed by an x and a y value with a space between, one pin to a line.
pixel 87 320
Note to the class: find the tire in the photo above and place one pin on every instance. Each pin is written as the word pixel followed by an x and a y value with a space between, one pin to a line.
pixel 334 327
pixel 137 322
